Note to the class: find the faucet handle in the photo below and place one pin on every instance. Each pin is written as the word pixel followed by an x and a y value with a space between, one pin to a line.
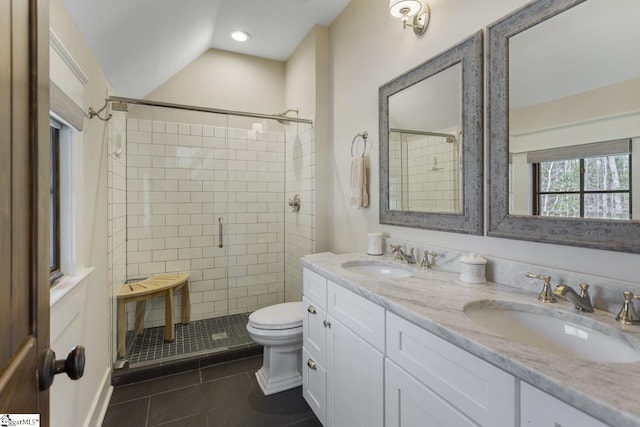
pixel 628 314
pixel 425 259
pixel 395 249
pixel 546 295
pixel 546 278
pixel 584 290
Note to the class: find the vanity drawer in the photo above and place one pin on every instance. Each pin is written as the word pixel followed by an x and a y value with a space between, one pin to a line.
pixel 480 390
pixel 314 332
pixel 315 288
pixel 363 317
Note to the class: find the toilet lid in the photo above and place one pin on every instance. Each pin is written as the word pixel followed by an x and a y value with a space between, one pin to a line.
pixel 280 316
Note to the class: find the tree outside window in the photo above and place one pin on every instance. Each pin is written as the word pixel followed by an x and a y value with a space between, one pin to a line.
pixel 594 187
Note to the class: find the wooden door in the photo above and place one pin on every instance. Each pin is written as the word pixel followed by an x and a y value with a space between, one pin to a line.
pixel 24 195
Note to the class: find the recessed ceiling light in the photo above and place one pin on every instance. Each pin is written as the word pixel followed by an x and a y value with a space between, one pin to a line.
pixel 240 36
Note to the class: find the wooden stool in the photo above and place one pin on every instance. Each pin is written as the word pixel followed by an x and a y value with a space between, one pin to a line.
pixel 140 292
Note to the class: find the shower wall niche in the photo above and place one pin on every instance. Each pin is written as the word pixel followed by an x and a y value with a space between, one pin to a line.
pixel 186 180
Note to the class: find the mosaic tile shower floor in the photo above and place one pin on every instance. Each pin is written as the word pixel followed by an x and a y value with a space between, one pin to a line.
pixel 196 338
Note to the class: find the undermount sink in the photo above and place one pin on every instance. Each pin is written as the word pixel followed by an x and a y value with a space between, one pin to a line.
pixel 375 268
pixel 554 331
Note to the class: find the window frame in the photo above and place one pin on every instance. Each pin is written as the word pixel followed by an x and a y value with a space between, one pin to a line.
pixel 55 268
pixel 581 192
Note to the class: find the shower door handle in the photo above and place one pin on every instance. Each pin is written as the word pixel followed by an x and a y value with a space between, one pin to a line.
pixel 220 232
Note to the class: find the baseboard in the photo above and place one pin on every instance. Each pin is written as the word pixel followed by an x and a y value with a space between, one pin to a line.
pixel 100 402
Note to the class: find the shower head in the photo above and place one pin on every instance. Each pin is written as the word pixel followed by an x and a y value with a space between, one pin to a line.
pixel 284 115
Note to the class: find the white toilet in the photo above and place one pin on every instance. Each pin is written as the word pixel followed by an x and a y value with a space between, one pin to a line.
pixel 279 329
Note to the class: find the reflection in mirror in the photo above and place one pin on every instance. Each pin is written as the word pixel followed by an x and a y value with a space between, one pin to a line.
pixel 431 143
pixel 566 123
pixel 565 103
pixel 425 161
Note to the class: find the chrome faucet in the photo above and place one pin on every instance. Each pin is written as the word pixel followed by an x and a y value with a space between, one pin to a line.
pixel 582 300
pixel 545 295
pixel 401 256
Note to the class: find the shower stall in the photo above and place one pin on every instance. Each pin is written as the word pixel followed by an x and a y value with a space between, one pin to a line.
pixel 205 192
pixel 425 172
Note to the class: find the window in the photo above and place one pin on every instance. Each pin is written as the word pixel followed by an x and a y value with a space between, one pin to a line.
pixel 54 199
pixel 589 187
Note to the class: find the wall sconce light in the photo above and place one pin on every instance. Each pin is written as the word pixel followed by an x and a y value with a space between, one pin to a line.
pixel 405 9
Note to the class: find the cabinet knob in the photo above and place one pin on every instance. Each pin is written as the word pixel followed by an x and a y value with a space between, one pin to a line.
pixel 311 309
pixel 311 364
pixel 326 323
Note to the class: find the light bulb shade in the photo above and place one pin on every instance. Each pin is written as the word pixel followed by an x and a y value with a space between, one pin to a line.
pixel 412 7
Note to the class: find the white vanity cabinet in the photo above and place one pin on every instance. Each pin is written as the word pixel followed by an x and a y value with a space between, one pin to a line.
pixel 538 408
pixel 428 378
pixel 314 345
pixel 364 366
pixel 352 360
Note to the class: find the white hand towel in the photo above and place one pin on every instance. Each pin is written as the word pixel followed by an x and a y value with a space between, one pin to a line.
pixel 358 196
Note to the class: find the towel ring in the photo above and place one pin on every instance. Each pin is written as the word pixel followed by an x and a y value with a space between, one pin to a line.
pixel 364 135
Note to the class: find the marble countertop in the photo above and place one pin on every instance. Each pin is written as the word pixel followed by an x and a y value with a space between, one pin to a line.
pixel 434 300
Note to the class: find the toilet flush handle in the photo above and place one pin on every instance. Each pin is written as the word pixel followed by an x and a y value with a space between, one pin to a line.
pixel 311 309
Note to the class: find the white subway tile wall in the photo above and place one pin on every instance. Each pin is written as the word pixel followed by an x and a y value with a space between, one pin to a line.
pixel 184 179
pixel 117 214
pixel 425 173
pixel 300 226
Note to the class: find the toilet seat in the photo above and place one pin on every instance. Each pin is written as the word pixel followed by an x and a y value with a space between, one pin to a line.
pixel 277 317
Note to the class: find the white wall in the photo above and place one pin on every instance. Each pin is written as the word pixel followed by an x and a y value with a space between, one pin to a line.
pixel 91 327
pixel 223 80
pixel 307 90
pixel 368 48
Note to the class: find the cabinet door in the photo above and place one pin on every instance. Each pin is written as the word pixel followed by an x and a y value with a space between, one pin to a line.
pixel 314 386
pixel 540 409
pixel 408 403
pixel 354 379
pixel 314 331
pixel 480 390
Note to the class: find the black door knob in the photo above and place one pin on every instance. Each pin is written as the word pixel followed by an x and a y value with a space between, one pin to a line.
pixel 73 365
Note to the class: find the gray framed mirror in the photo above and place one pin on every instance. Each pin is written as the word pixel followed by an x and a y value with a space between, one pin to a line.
pixel 563 122
pixel 431 143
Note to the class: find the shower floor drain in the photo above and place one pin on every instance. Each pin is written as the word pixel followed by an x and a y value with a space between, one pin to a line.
pixel 219 336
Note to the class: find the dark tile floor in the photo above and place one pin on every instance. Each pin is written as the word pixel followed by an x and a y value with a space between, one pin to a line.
pixel 224 395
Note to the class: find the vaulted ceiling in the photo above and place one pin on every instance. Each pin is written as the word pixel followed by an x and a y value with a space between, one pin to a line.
pixel 140 44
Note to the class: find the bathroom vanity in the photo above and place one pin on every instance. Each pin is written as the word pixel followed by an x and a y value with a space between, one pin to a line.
pixel 400 351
